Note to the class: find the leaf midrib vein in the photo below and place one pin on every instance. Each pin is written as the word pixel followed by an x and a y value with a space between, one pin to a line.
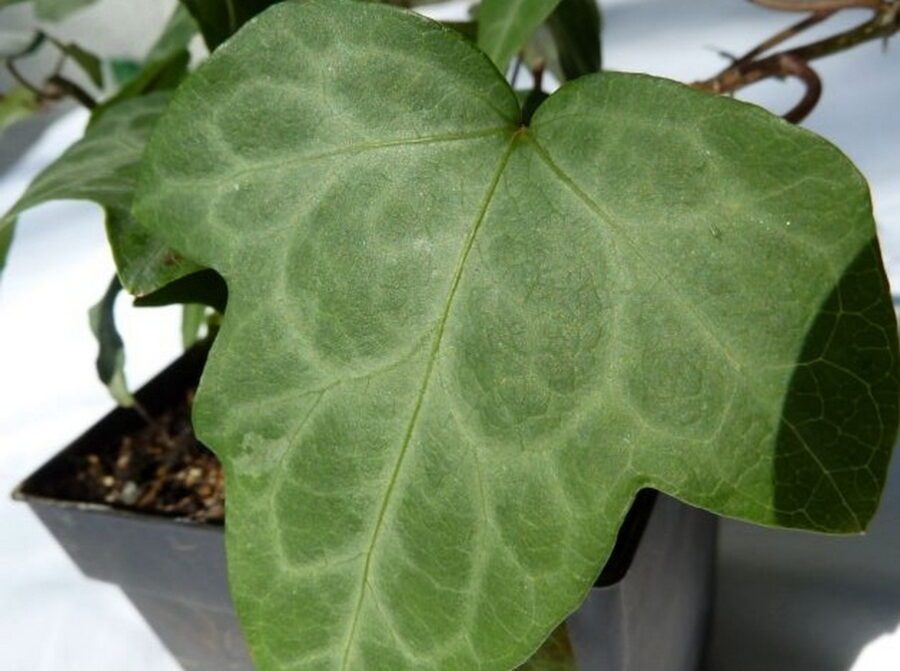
pixel 423 388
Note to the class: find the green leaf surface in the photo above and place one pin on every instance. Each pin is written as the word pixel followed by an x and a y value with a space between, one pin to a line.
pixel 575 26
pixel 456 348
pixel 86 60
pixel 504 26
pixel 102 167
pixel 220 19
pixel 55 10
pixel 111 352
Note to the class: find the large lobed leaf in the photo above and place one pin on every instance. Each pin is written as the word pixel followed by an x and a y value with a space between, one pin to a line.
pixel 457 347
pixel 102 167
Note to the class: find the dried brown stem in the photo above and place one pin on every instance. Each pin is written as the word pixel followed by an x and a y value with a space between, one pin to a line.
pixel 818 5
pixel 754 66
pixel 58 86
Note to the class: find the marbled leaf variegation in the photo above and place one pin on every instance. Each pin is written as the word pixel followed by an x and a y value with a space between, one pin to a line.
pixel 456 347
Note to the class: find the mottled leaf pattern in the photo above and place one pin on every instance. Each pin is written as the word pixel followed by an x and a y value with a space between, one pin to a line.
pixel 456 347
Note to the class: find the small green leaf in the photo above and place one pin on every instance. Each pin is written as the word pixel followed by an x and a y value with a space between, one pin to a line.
pixel 16 104
pixel 55 10
pixel 87 61
pixel 193 317
pixel 504 26
pixel 102 167
pixel 457 347
pixel 575 26
pixel 220 19
pixel 111 354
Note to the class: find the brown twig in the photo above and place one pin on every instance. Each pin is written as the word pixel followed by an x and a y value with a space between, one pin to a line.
pixel 818 5
pixel 784 35
pixel 755 66
pixel 58 86
pixel 810 78
pixel 21 80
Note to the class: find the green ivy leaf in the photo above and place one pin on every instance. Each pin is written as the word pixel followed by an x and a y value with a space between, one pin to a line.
pixel 56 10
pixel 504 26
pixel 220 19
pixel 455 347
pixel 111 353
pixel 87 61
pixel 575 26
pixel 102 167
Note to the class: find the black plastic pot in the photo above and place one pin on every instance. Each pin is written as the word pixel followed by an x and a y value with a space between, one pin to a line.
pixel 648 611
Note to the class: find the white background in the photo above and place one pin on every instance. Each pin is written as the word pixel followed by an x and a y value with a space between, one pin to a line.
pixel 787 601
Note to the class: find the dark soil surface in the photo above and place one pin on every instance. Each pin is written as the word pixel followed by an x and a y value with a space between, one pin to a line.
pixel 160 469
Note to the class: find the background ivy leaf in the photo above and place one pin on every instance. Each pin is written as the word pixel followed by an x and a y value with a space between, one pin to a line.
pixel 102 167
pixel 576 26
pixel 505 25
pixel 87 61
pixel 455 347
pixel 55 10
pixel 111 349
pixel 220 19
